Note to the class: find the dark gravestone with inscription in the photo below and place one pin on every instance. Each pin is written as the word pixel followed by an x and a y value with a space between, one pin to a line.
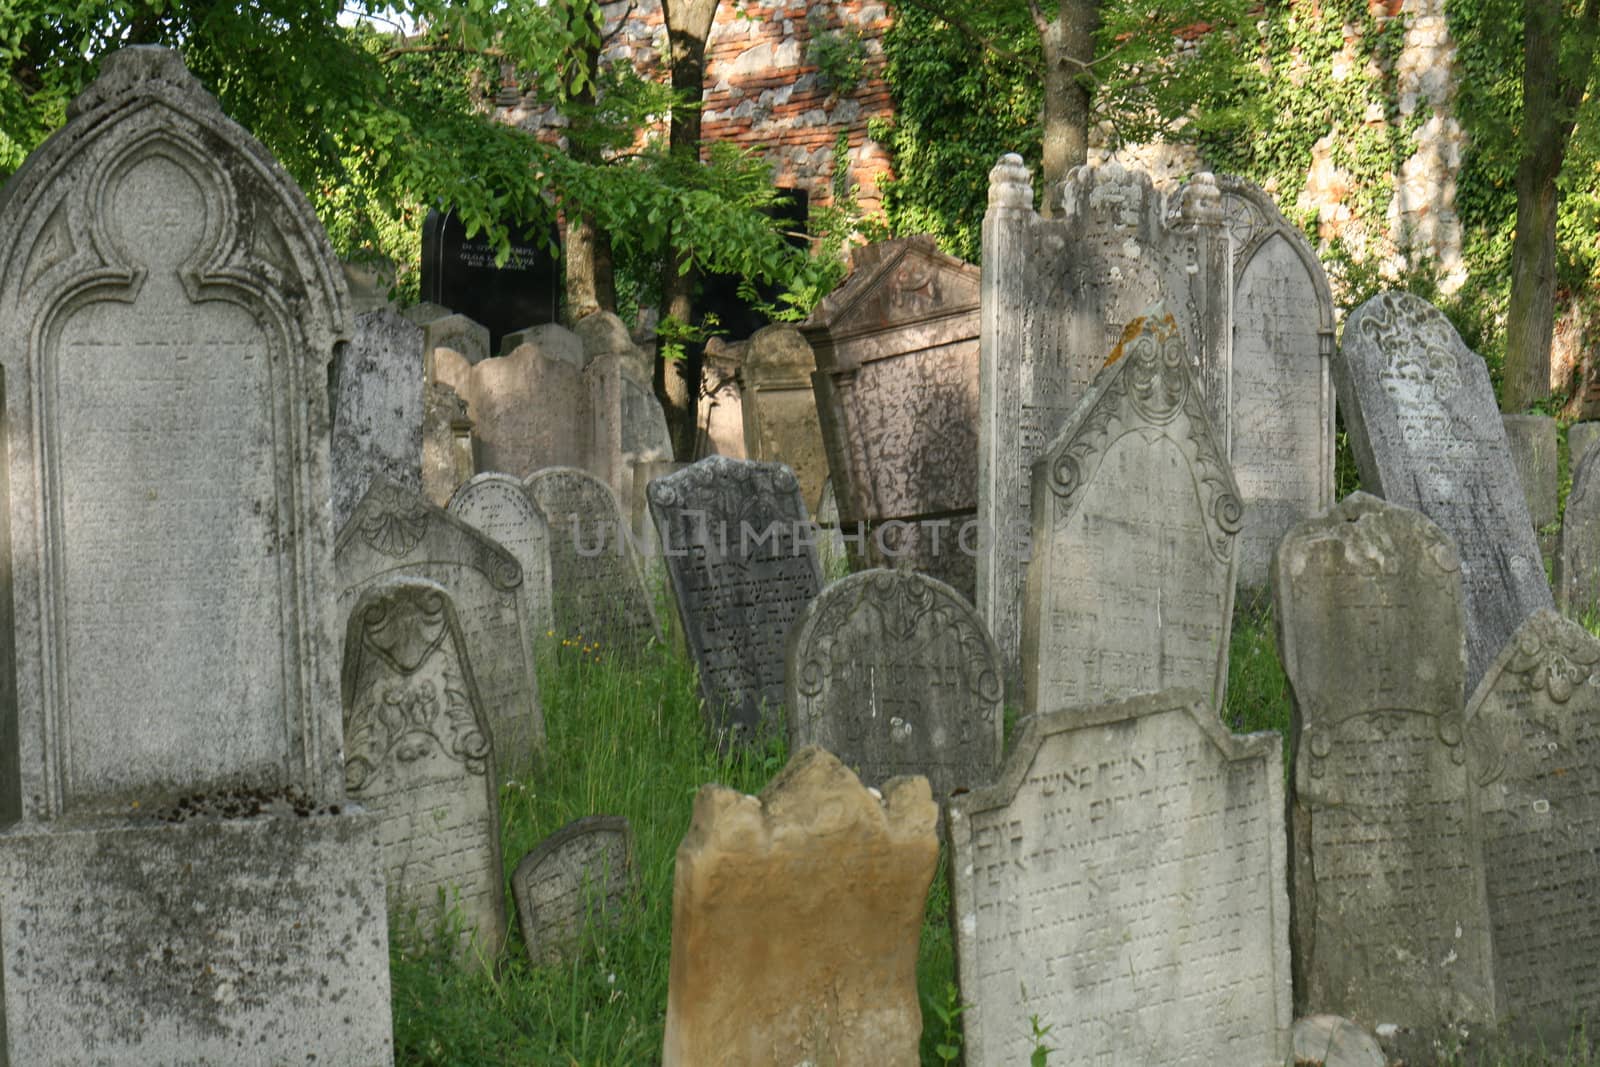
pixel 417 753
pixel 896 383
pixel 595 585
pixel 179 878
pixel 894 673
pixel 459 272
pixel 393 533
pixel 1057 294
pixel 577 878
pixel 499 507
pixel 1426 434
pixel 1124 880
pixel 1135 519
pixel 1390 918
pixel 742 558
pixel 1534 728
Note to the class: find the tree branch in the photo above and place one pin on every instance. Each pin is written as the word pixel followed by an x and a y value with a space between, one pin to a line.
pixel 440 49
pixel 939 12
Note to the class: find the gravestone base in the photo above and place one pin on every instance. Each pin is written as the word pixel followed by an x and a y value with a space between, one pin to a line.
pixel 217 941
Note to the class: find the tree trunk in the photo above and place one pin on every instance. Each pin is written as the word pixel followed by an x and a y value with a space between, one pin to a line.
pixel 1068 46
pixel 688 27
pixel 590 279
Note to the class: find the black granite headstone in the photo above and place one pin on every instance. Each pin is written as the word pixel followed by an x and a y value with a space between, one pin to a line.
pixel 459 272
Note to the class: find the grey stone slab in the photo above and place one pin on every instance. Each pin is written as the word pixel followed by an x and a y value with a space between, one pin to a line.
pixel 529 409
pixel 595 584
pixel 499 507
pixel 425 312
pixel 1124 881
pixel 1391 923
pixel 1534 727
pixel 743 564
pixel 721 414
pixel 447 452
pixel 579 877
pixel 1135 525
pixel 458 333
pixel 894 673
pixel 626 426
pixel 1532 440
pixel 1580 437
pixel 553 341
pixel 395 533
pixel 604 334
pixel 1280 396
pixel 418 755
pixel 378 412
pixel 1577 564
pixel 1427 435
pixel 1332 1041
pixel 779 407
pixel 1056 296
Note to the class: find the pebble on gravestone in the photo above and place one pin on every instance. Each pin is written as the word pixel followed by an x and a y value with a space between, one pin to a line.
pixel 894 673
pixel 1135 519
pixel 1532 440
pixel 179 877
pixel 596 589
pixel 418 753
pixel 1534 728
pixel 396 533
pixel 742 557
pixel 829 879
pixel 1056 296
pixel 1124 884
pixel 1391 924
pixel 576 879
pixel 378 412
pixel 498 506
pixel 1577 564
pixel 1426 434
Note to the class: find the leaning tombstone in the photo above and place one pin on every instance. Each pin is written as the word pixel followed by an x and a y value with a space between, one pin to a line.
pixel 1279 393
pixel 829 880
pixel 779 406
pixel 596 589
pixel 1124 883
pixel 378 416
pixel 1534 731
pixel 499 507
pixel 1135 522
pixel 1391 924
pixel 894 673
pixel 1057 294
pixel 180 877
pixel 1426 434
pixel 577 879
pixel 1577 564
pixel 395 533
pixel 742 559
pixel 418 754
pixel 1532 440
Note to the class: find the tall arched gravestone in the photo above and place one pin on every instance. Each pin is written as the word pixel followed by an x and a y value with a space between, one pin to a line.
pixel 395 533
pixel 1391 923
pixel 1534 728
pixel 1056 296
pixel 1135 519
pixel 894 673
pixel 742 559
pixel 169 309
pixel 498 506
pixel 1426 434
pixel 418 753
pixel 1279 394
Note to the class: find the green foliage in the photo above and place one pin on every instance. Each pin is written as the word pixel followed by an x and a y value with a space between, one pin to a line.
pixel 840 55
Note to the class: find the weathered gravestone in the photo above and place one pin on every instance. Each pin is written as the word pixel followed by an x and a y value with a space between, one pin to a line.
pixel 1580 436
pixel 1427 435
pixel 553 341
pixel 829 880
pixel 1532 440
pixel 377 417
pixel 499 507
pixel 463 336
pixel 595 583
pixel 743 564
pixel 418 753
pixel 894 673
pixel 896 383
pixel 603 333
pixel 1279 396
pixel 460 272
pixel 779 407
pixel 396 533
pixel 578 877
pixel 529 408
pixel 177 880
pixel 626 426
pixel 721 414
pixel 1577 564
pixel 1135 518
pixel 1056 296
pixel 1390 919
pixel 446 443
pixel 1534 730
pixel 1124 882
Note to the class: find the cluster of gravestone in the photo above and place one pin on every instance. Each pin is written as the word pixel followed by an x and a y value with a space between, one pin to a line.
pixel 1129 409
